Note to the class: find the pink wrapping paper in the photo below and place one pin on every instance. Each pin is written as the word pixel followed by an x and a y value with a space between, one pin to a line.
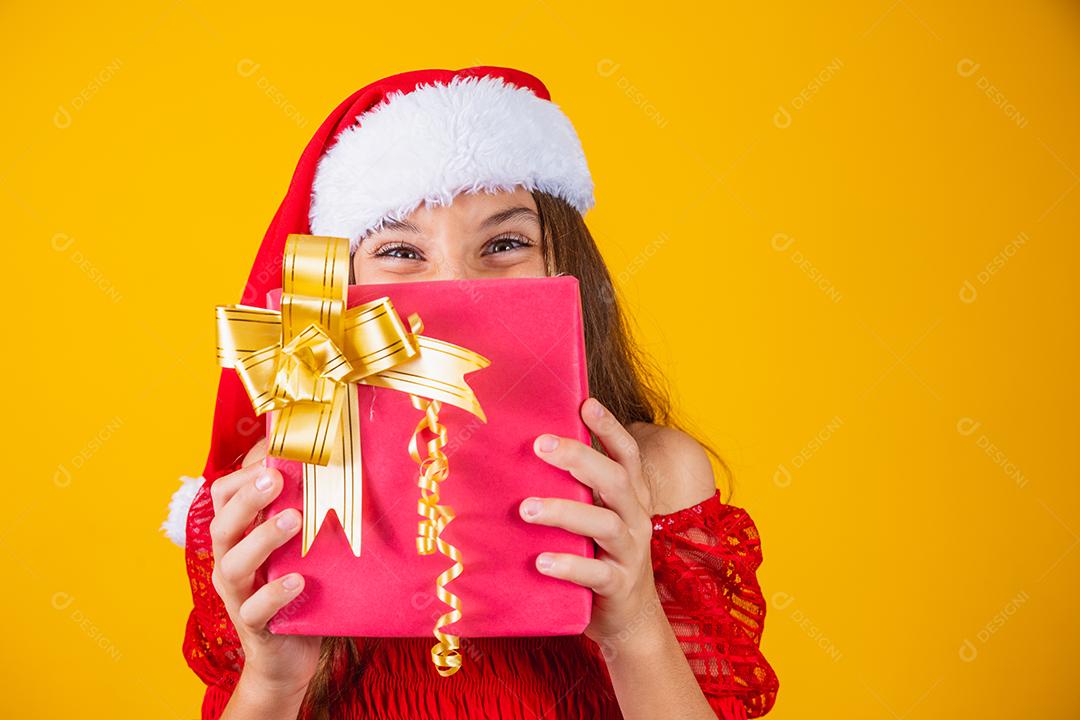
pixel 531 331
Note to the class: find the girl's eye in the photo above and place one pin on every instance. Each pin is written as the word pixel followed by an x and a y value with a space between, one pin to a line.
pixel 404 251
pixel 399 251
pixel 505 244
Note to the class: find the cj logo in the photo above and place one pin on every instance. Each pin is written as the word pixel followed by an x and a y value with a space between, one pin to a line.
pixel 781 242
pixel 967 67
pixel 607 67
pixel 61 242
pixel 782 118
pixel 782 477
pixel 247 67
pixel 62 600
pixel 967 426
pixel 62 118
pixel 781 600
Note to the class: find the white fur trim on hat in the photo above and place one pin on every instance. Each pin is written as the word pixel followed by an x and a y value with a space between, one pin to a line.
pixel 471 134
pixel 175 526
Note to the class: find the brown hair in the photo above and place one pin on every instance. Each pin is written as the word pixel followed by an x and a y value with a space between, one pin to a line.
pixel 621 376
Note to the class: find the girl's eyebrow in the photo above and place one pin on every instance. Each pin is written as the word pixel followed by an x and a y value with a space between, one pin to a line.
pixel 401 225
pixel 496 219
pixel 393 225
pixel 510 214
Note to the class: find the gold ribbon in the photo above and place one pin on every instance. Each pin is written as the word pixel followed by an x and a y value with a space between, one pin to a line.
pixel 298 364
pixel 433 470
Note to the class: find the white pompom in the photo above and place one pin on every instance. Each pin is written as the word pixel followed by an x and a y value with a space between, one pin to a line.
pixel 175 526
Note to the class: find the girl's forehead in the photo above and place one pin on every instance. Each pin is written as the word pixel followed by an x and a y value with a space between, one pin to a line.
pixel 477 209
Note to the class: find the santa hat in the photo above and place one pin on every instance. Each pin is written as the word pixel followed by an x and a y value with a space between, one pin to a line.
pixel 414 138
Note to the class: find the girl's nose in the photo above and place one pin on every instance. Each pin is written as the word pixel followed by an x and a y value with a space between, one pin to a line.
pixel 452 269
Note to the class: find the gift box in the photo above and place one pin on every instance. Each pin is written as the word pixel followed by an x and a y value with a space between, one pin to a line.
pixel 530 332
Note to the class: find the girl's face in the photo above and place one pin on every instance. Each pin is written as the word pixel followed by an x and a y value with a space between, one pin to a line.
pixel 480 235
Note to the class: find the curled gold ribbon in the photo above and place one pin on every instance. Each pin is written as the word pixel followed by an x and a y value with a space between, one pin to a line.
pixel 297 363
pixel 434 469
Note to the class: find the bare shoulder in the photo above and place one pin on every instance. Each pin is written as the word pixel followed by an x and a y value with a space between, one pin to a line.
pixel 675 466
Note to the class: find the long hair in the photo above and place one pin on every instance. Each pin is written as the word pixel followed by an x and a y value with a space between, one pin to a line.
pixel 621 376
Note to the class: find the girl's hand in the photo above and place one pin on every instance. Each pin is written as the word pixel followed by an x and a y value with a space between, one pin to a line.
pixel 621 573
pixel 274 665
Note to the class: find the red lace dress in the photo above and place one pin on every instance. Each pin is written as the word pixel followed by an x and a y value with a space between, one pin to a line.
pixel 704 561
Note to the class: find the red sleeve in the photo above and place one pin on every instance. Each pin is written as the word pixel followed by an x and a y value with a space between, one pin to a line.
pixel 704 561
pixel 211 646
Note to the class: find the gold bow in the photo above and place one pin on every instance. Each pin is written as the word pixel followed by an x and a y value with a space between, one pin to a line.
pixel 300 360
pixel 297 364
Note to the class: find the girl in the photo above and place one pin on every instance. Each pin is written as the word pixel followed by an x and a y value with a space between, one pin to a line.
pixel 440 175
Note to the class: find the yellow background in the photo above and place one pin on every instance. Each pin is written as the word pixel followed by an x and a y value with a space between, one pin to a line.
pixel 863 216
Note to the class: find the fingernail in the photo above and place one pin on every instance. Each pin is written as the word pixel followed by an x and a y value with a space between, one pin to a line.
pixel 264 482
pixel 595 408
pixel 548 443
pixel 287 520
pixel 291 582
pixel 530 508
pixel 544 562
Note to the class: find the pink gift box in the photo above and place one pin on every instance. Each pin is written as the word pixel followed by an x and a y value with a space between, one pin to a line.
pixel 531 331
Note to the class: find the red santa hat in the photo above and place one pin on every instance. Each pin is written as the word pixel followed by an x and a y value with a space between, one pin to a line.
pixel 415 138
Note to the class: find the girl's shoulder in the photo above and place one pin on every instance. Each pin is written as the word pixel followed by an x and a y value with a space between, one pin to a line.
pixel 675 466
